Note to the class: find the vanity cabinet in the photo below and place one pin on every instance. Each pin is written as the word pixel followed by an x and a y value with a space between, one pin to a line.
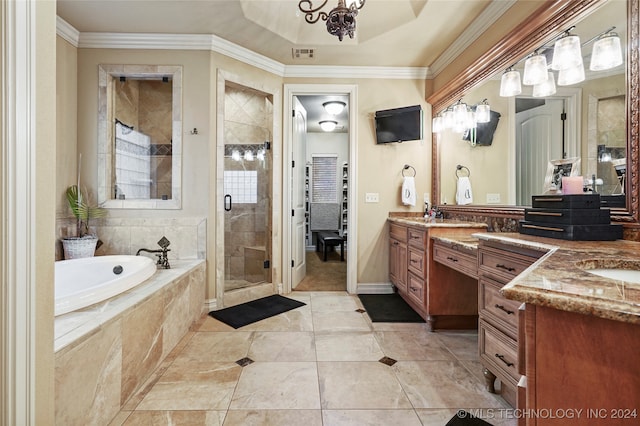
pixel 445 297
pixel 499 318
pixel 398 257
pixel 581 365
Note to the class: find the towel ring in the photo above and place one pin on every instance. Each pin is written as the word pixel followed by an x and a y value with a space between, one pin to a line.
pixel 459 167
pixel 406 166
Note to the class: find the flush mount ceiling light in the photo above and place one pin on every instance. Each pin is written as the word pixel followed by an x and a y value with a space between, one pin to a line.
pixel 334 107
pixel 328 125
pixel 341 20
pixel 606 53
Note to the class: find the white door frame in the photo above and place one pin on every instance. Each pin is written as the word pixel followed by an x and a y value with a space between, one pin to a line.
pixel 291 90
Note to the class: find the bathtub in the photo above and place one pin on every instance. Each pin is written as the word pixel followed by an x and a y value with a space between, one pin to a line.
pixel 83 282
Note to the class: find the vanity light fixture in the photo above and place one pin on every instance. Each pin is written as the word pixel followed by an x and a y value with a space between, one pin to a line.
pixel 328 125
pixel 341 20
pixel 546 88
pixel 567 52
pixel 607 52
pixel 235 155
pixel 483 112
pixel 334 107
pixel 260 154
pixel 248 155
pixel 510 83
pixel 535 70
pixel 448 119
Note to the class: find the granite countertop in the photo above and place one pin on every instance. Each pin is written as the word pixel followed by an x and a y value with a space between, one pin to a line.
pixel 559 279
pixel 467 243
pixel 420 221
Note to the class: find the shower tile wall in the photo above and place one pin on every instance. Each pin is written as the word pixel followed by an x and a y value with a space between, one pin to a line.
pixel 248 120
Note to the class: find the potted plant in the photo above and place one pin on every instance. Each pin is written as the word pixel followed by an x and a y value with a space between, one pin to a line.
pixel 83 244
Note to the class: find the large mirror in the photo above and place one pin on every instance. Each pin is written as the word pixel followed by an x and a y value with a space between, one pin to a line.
pixel 600 131
pixel 140 136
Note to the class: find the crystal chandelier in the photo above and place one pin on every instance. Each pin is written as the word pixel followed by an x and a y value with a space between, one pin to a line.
pixel 341 20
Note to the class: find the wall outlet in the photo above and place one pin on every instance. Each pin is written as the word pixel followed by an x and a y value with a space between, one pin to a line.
pixel 493 198
pixel 371 197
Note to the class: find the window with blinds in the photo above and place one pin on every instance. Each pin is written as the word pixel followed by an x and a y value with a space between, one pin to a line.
pixel 324 178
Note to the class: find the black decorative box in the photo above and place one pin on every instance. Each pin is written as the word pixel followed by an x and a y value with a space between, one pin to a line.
pixel 572 232
pixel 566 201
pixel 569 216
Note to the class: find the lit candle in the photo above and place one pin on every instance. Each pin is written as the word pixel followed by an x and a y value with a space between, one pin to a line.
pixel 572 185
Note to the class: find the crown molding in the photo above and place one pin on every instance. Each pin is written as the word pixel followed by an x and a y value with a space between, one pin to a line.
pixel 67 32
pixel 489 15
pixel 90 40
pixel 331 71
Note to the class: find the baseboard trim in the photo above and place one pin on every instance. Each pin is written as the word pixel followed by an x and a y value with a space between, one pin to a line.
pixel 375 288
pixel 211 304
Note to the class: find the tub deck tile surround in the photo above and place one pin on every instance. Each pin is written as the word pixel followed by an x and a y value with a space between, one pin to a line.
pixel 558 281
pixel 106 352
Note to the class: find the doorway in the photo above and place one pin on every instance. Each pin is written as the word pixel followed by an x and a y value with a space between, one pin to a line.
pixel 320 177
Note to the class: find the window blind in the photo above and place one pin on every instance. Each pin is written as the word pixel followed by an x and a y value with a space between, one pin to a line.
pixel 324 179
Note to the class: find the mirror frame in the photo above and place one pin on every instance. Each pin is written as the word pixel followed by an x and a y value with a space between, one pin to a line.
pixel 546 22
pixel 107 74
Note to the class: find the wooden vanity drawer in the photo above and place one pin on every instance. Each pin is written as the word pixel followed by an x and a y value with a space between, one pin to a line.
pixel 415 289
pixel 417 262
pixel 499 351
pixel 461 262
pixel 502 266
pixel 398 232
pixel 496 308
pixel 417 237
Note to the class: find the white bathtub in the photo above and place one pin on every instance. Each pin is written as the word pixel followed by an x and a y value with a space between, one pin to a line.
pixel 86 281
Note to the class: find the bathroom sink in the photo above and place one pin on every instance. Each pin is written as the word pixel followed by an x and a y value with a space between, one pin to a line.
pixel 628 275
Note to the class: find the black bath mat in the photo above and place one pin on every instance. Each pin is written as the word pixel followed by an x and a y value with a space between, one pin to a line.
pixel 462 418
pixel 388 308
pixel 256 310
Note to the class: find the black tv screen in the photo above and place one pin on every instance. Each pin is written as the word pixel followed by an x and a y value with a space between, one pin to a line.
pixel 484 131
pixel 399 124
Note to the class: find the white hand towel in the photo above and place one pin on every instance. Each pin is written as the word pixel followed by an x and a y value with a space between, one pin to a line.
pixel 409 191
pixel 463 193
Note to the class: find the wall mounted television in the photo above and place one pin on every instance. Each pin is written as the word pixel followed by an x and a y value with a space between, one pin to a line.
pixel 399 124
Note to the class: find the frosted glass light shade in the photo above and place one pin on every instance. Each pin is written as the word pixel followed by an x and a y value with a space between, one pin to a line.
pixel 510 84
pixel 567 53
pixel 535 70
pixel 460 112
pixel 483 113
pixel 606 53
pixel 571 76
pixel 334 107
pixel 546 88
pixel 437 124
pixel 328 125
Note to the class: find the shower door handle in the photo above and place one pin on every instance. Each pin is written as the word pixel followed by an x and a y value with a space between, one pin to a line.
pixel 227 199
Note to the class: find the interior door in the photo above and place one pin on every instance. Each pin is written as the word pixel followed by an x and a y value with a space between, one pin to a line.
pixel 298 156
pixel 538 140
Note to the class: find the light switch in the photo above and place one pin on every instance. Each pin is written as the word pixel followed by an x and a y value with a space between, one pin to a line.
pixel 493 198
pixel 371 197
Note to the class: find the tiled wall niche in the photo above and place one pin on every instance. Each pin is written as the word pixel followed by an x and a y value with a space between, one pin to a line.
pixel 188 235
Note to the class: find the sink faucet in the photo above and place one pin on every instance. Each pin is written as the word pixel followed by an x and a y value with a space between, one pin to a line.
pixel 163 260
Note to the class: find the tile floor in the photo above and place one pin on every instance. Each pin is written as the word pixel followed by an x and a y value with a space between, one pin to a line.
pixel 316 365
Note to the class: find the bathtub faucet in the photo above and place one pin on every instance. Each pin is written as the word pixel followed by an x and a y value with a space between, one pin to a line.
pixel 163 260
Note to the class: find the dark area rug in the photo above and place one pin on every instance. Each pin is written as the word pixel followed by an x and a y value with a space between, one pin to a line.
pixel 388 308
pixel 256 310
pixel 462 418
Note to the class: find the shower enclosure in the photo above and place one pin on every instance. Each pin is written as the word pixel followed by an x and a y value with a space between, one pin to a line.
pixel 247 188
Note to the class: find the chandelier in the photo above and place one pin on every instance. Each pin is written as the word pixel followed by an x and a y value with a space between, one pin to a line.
pixel 341 20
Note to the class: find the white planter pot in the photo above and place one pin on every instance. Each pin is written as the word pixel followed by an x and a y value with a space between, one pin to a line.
pixel 75 248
